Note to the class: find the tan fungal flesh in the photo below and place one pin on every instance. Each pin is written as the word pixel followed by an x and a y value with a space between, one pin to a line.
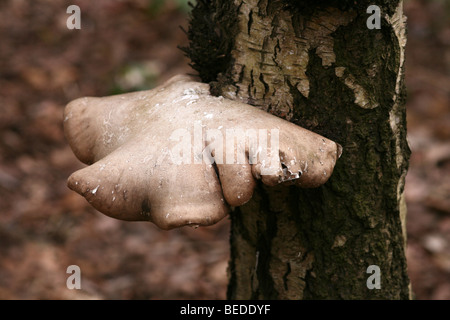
pixel 164 155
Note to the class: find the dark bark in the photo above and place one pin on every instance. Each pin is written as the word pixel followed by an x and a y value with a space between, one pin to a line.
pixel 319 66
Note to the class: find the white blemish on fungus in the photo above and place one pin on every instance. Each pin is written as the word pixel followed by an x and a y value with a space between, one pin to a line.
pixel 68 116
pixel 208 115
pixel 95 190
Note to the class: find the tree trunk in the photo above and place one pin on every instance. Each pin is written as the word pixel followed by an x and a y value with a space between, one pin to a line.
pixel 316 64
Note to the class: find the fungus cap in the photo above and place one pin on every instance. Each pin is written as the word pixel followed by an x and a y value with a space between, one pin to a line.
pixel 176 155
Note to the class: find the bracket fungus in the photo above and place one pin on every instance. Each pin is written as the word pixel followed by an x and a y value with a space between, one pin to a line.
pixel 176 155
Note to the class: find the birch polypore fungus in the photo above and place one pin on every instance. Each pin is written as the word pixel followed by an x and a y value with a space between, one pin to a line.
pixel 176 155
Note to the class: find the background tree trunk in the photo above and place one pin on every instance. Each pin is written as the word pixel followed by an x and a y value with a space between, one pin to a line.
pixel 317 64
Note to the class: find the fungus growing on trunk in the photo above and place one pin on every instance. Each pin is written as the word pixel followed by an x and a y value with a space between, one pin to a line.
pixel 176 155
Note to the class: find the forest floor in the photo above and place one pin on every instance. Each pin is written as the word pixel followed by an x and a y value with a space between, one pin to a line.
pixel 130 45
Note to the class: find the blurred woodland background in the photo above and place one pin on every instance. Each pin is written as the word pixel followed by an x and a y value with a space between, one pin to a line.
pixel 127 45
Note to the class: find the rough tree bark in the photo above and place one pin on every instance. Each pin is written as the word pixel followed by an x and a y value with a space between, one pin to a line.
pixel 317 64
